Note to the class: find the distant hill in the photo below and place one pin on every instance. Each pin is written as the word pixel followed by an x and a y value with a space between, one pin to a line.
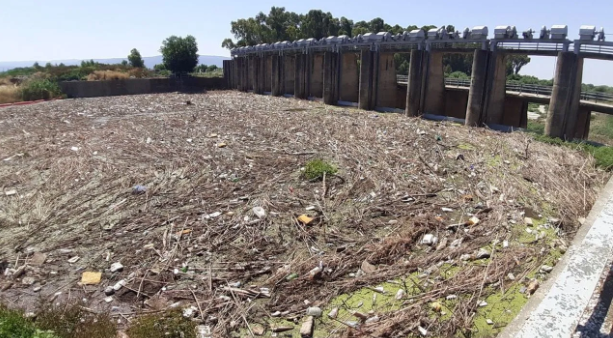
pixel 150 61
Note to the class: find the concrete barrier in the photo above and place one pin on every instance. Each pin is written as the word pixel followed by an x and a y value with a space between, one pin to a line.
pixel 138 86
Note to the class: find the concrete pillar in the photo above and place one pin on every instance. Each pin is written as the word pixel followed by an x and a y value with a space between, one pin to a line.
pixel 496 92
pixel 299 65
pixel 435 85
pixel 226 73
pixel 288 73
pixel 476 94
pixel 275 78
pixel 242 68
pixel 415 83
pixel 235 73
pixel 329 77
pixel 366 79
pixel 260 63
pixel 349 77
pixel 561 95
pixel 386 83
pixel 266 74
pixel 582 126
pixel 573 124
pixel 317 75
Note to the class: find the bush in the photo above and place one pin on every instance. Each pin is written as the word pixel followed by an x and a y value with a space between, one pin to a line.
pixel 100 75
pixel 315 169
pixel 41 89
pixel 72 321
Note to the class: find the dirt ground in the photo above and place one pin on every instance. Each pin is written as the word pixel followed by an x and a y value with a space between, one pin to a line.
pixel 167 185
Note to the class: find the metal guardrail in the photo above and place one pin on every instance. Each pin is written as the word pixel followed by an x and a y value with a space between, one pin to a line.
pixel 524 88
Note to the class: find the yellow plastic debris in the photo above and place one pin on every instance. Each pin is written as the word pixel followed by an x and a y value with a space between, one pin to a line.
pixel 221 145
pixel 91 278
pixel 473 221
pixel 305 219
pixel 436 306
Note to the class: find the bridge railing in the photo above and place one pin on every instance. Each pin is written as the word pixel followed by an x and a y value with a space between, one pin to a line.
pixel 523 88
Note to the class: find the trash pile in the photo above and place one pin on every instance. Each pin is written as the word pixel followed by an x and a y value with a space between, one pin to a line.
pixel 141 204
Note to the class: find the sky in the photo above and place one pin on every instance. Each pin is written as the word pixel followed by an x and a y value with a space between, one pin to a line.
pixel 83 29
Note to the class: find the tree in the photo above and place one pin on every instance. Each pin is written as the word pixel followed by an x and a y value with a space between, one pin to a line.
pixel 212 68
pixel 135 59
pixel 180 55
pixel 159 67
pixel 36 66
pixel 516 62
pixel 124 63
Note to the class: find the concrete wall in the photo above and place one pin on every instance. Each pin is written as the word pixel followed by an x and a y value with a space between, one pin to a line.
pixel 137 86
pixel 349 83
pixel 288 74
pixel 456 102
pixel 317 75
pixel 515 112
pixel 386 86
pixel 496 89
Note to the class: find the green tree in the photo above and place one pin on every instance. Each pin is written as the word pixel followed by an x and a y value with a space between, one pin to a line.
pixel 212 68
pixel 516 62
pixel 180 55
pixel 135 59
pixel 124 63
pixel 36 66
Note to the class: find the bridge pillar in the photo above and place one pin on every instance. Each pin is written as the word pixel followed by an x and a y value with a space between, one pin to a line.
pixel 366 79
pixel 275 72
pixel 414 84
pixel 349 77
pixel 476 93
pixel 299 78
pixel 317 75
pixel 561 96
pixel 434 100
pixel 496 89
pixel 574 124
pixel 386 83
pixel 330 77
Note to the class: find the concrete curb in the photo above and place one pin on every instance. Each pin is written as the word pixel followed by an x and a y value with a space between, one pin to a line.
pixel 556 308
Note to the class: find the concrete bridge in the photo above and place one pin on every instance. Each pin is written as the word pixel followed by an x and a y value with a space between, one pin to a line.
pixel 361 71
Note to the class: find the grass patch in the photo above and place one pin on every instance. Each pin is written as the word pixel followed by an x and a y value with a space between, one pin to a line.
pixel 315 169
pixel 166 325
pixel 601 128
pixel 536 126
pixel 9 94
pixel 602 154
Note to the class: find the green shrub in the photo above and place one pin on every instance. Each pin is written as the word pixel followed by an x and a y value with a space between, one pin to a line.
pixel 316 168
pixel 72 321
pixel 165 325
pixel 14 325
pixel 40 89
